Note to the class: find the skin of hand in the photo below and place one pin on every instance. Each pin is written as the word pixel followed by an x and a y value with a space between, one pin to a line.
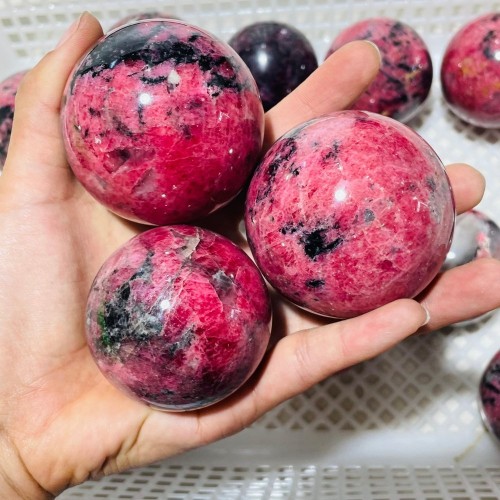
pixel 61 421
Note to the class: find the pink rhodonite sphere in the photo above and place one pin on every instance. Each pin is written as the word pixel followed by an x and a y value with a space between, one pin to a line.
pixel 348 212
pixel 8 92
pixel 179 317
pixel 141 16
pixel 404 81
pixel 489 396
pixel 470 72
pixel 162 122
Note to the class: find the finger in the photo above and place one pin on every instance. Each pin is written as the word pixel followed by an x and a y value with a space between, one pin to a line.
pixel 335 85
pixel 303 359
pixel 307 357
pixel 36 169
pixel 463 293
pixel 468 186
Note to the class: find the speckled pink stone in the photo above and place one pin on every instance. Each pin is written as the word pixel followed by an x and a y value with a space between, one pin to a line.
pixel 349 212
pixel 179 317
pixel 489 396
pixel 470 72
pixel 162 122
pixel 8 91
pixel 405 77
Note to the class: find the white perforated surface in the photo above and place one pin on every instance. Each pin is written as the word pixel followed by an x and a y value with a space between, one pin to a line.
pixel 202 482
pixel 403 426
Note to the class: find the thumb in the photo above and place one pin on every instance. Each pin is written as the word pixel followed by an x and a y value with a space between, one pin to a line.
pixel 36 170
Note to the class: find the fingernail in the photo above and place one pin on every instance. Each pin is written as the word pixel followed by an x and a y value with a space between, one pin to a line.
pixel 73 27
pixel 427 315
pixel 376 48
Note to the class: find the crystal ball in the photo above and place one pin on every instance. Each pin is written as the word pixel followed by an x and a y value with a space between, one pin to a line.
pixel 178 317
pixel 476 236
pixel 8 91
pixel 141 16
pixel 404 81
pixel 348 212
pixel 489 396
pixel 279 56
pixel 162 122
pixel 470 72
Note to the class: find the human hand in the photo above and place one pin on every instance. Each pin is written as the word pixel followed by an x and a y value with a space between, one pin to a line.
pixel 61 421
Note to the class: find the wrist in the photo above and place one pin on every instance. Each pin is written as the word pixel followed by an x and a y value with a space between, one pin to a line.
pixel 15 480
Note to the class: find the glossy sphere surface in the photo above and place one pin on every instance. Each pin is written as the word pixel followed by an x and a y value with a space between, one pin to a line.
pixel 162 122
pixel 405 79
pixel 348 212
pixel 476 236
pixel 489 396
pixel 179 317
pixel 470 72
pixel 8 91
pixel 279 56
pixel 140 16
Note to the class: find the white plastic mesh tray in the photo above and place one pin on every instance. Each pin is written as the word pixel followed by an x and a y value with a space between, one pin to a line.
pixel 402 426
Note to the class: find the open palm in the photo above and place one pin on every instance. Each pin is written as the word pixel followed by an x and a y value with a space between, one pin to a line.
pixel 61 421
